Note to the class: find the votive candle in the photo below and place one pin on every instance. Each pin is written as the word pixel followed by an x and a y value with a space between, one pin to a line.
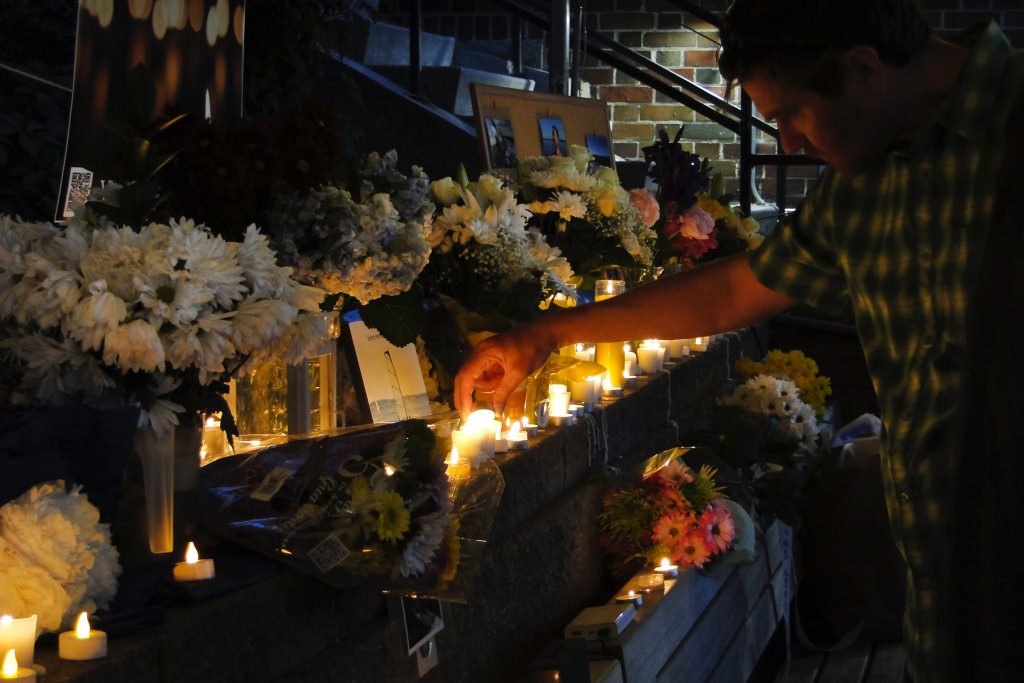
pixel 18 635
pixel 83 643
pixel 193 568
pixel 11 671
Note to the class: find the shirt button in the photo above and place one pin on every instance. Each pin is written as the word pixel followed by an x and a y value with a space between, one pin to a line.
pixel 904 497
pixel 925 582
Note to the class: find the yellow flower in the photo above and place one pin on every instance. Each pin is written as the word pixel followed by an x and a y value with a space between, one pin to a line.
pixel 712 206
pixel 393 517
pixel 541 207
pixel 606 200
pixel 452 551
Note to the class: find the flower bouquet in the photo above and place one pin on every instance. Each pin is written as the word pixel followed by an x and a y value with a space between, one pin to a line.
pixel 374 505
pixel 673 512
pixel 584 211
pixel 698 222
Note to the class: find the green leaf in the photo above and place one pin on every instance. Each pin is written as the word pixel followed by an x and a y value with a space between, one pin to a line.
pixel 398 318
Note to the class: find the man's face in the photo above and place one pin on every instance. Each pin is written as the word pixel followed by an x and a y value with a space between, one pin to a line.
pixel 846 132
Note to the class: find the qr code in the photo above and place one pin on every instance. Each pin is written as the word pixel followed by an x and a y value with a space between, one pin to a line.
pixel 79 187
pixel 329 553
pixel 271 484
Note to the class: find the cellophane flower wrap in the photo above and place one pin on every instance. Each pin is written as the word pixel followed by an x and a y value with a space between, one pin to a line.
pixel 674 512
pixel 158 317
pixel 486 257
pixel 56 558
pixel 582 209
pixel 365 244
pixel 370 506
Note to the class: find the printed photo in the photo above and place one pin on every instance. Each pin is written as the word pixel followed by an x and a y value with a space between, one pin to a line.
pixel 598 146
pixel 391 376
pixel 501 143
pixel 422 619
pixel 552 137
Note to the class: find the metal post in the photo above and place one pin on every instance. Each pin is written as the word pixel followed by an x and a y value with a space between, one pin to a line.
pixel 558 48
pixel 517 45
pixel 577 46
pixel 415 45
pixel 780 184
pixel 746 175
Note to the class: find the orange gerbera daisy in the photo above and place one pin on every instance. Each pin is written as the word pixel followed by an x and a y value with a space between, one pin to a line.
pixel 722 530
pixel 671 529
pixel 694 551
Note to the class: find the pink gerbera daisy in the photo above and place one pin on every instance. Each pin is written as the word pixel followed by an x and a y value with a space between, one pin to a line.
pixel 676 474
pixel 722 529
pixel 694 551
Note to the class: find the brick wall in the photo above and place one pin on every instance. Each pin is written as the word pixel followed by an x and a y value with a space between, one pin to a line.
pixel 679 41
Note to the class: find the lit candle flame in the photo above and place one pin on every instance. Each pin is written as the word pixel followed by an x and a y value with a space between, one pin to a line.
pixel 191 554
pixel 210 422
pixel 665 564
pixel 607 383
pixel 6 620
pixel 479 419
pixel 698 341
pixel 632 594
pixel 581 347
pixel 525 422
pixel 454 460
pixel 82 628
pixel 609 287
pixel 10 669
pixel 627 347
pixel 389 470
pixel 514 429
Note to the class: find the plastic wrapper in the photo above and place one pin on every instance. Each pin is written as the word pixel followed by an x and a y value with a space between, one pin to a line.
pixel 372 506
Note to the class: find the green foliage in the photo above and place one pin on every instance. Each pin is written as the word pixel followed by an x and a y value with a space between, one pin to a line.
pixel 398 318
pixel 699 492
pixel 628 515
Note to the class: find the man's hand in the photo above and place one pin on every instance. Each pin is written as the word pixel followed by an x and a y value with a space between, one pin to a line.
pixel 500 363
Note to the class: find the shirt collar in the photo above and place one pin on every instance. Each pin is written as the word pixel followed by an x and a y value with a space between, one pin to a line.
pixel 967 109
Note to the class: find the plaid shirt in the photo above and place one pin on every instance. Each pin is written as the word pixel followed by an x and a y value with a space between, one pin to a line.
pixel 901 243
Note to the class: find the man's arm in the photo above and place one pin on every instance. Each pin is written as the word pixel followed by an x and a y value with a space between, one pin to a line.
pixel 723 295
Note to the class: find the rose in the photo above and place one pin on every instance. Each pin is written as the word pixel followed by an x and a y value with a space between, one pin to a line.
pixel 646 204
pixel 692 233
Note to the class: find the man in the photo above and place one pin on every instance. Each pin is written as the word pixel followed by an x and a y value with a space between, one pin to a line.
pixel 913 131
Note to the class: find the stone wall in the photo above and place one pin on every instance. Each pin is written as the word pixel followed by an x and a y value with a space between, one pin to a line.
pixel 659 30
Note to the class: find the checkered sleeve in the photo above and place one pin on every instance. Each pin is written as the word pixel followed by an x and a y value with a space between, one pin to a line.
pixel 798 260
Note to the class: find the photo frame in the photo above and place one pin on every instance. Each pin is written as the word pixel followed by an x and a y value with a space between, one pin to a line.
pixel 501 142
pixel 422 620
pixel 530 115
pixel 388 379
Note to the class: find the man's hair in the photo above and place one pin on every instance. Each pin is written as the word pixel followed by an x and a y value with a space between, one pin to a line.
pixel 802 42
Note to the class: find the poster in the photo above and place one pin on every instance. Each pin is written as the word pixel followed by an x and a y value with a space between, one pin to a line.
pixel 191 48
pixel 391 376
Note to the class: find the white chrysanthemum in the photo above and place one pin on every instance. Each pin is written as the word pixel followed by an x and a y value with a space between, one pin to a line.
pixel 60 532
pixel 422 547
pixel 172 297
pixel 96 315
pixel 205 344
pixel 208 261
pixel 134 347
pixel 28 589
pixel 256 323
pixel 264 278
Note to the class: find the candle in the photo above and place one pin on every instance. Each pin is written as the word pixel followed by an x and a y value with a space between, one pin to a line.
pixel 630 596
pixel 558 400
pixel 610 354
pixel 609 391
pixel 584 352
pixel 651 583
pixel 500 444
pixel 10 671
pixel 475 437
pixel 587 391
pixel 606 289
pixel 456 469
pixel 528 428
pixel 194 569
pixel 666 568
pixel 677 348
pixel 629 360
pixel 650 356
pixel 699 344
pixel 214 441
pixel 516 437
pixel 628 381
pixel 82 643
pixel 19 635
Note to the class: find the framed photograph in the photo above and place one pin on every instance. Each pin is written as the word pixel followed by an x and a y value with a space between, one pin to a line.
pixel 422 619
pixel 388 378
pixel 552 137
pixel 501 142
pixel 599 146
pixel 538 124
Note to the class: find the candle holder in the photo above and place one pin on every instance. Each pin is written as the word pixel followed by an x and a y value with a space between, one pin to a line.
pixel 652 583
pixel 561 420
pixel 630 596
pixel 18 635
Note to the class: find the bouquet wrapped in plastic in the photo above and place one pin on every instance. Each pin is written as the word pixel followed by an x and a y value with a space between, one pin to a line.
pixel 372 506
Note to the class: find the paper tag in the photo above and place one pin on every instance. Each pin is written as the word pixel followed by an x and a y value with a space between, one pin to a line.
pixel 271 484
pixel 329 553
pixel 79 187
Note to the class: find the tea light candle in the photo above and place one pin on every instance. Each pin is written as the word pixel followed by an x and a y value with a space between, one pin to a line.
pixel 630 596
pixel 194 569
pixel 516 437
pixel 18 635
pixel 609 391
pixel 83 643
pixel 630 360
pixel 677 348
pixel 666 568
pixel 585 352
pixel 10 671
pixel 528 428
pixel 651 583
pixel 558 400
pixel 214 441
pixel 587 391
pixel 500 444
pixel 456 469
pixel 650 356
pixel 699 344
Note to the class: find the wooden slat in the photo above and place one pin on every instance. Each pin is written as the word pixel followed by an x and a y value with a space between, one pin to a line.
pixel 802 670
pixel 605 671
pixel 887 665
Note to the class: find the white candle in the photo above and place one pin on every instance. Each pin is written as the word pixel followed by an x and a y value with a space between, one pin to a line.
pixel 456 469
pixel 82 643
pixel 666 568
pixel 609 391
pixel 516 437
pixel 630 596
pixel 586 391
pixel 18 635
pixel 676 348
pixel 584 352
pixel 650 356
pixel 606 289
pixel 10 671
pixel 699 344
pixel 193 568
pixel 214 441
pixel 500 444
pixel 630 358
pixel 475 437
pixel 558 400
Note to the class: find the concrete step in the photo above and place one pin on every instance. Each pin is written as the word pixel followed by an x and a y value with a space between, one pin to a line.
pixel 471 59
pixel 448 87
pixel 379 44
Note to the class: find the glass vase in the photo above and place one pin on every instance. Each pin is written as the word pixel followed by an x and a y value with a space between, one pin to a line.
pixel 170 469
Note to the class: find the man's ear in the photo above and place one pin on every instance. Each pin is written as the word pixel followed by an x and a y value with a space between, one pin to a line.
pixel 863 64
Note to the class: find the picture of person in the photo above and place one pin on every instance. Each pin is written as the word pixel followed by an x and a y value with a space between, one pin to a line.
pixel 501 143
pixel 423 620
pixel 598 146
pixel 552 137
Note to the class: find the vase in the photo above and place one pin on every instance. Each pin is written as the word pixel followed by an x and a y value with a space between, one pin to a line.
pixel 157 510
